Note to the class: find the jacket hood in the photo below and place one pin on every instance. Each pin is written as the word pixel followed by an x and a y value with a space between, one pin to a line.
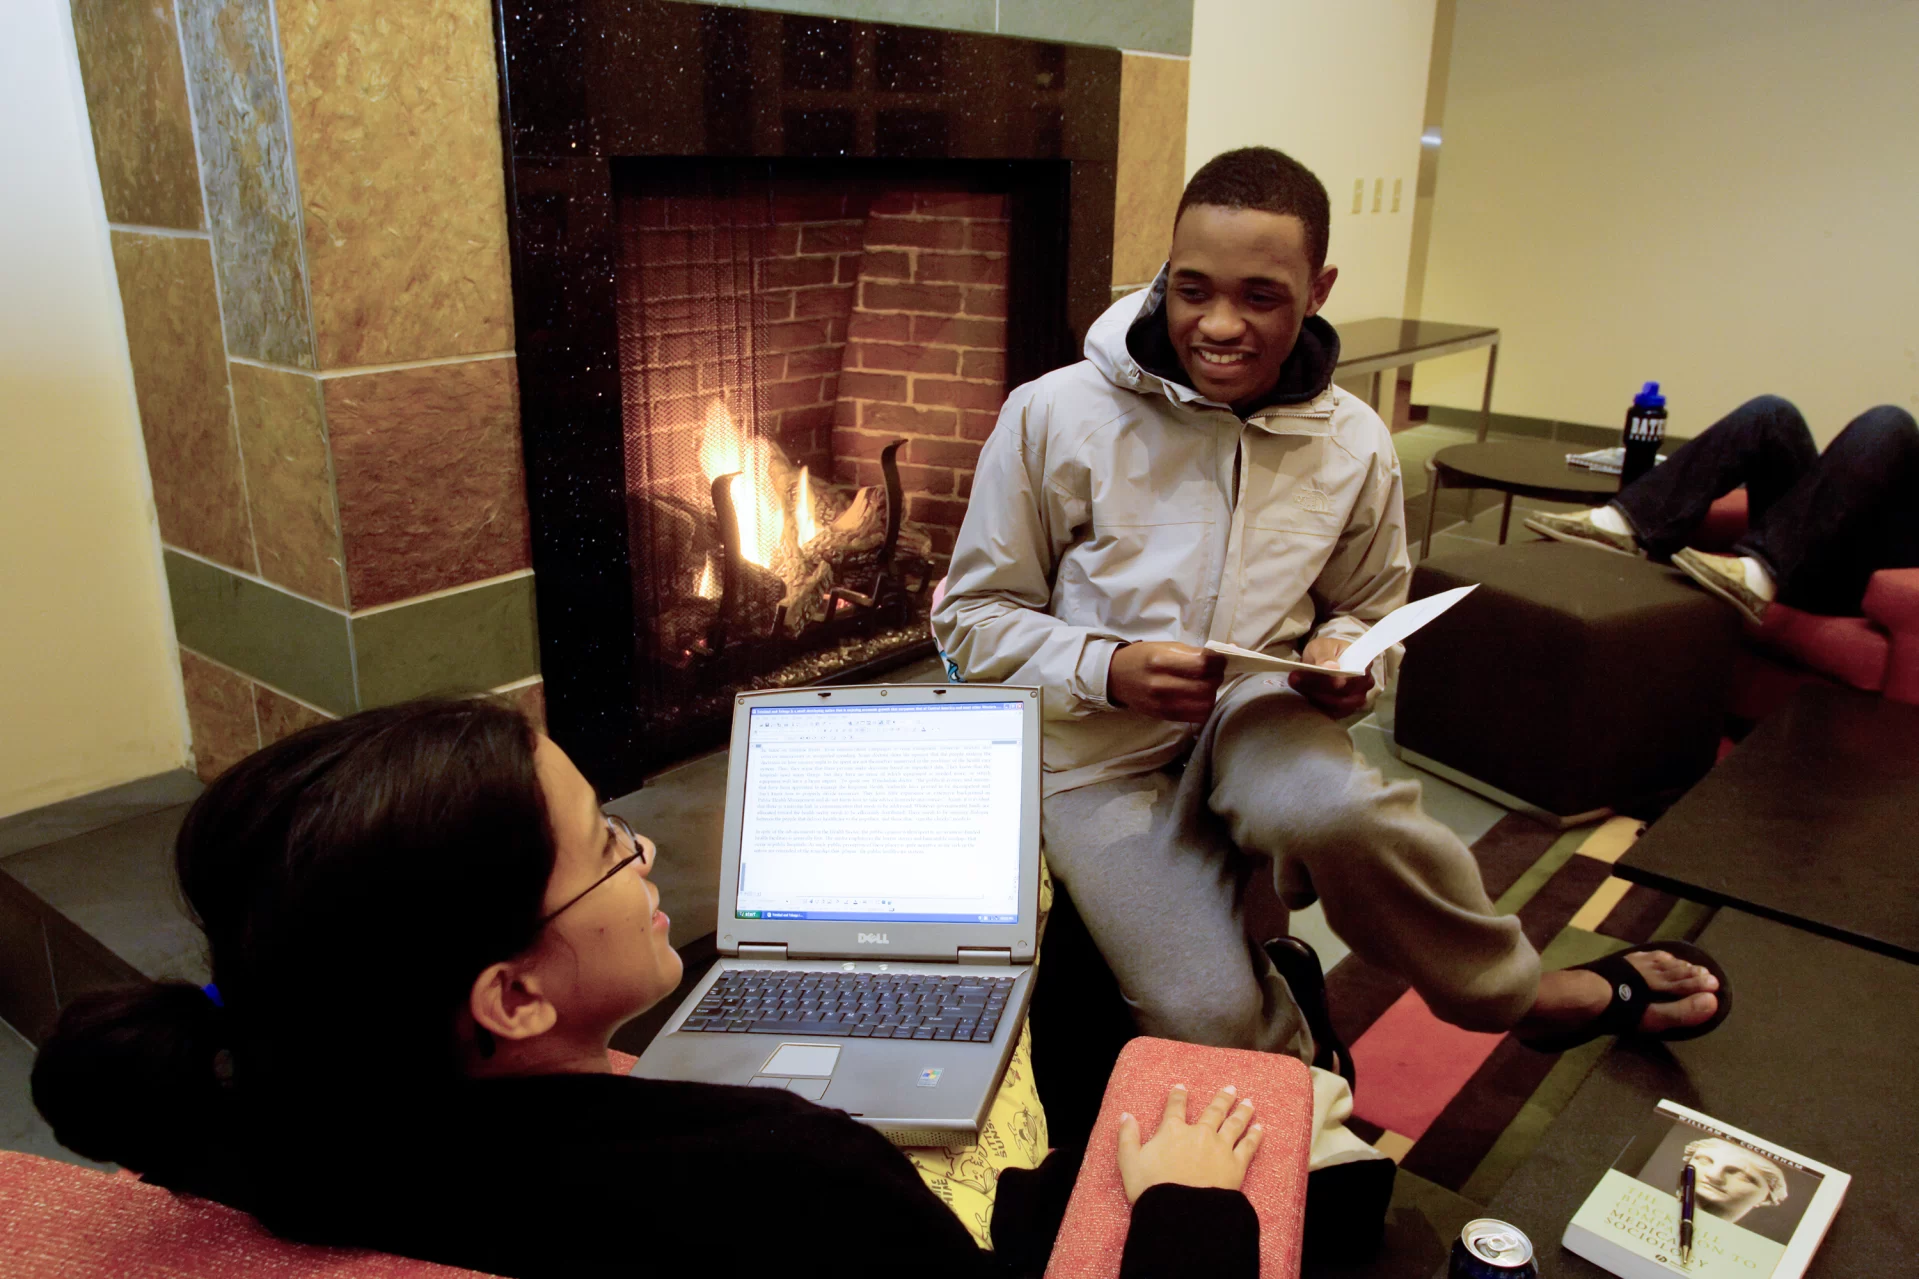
pixel 1130 346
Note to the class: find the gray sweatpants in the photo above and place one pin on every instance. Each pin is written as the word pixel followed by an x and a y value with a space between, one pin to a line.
pixel 1158 866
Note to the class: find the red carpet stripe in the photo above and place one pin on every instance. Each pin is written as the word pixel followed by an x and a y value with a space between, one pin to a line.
pixel 1466 1130
pixel 1411 1064
pixel 1358 994
pixel 1452 1091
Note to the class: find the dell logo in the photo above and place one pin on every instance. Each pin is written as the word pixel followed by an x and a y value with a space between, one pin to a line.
pixel 874 939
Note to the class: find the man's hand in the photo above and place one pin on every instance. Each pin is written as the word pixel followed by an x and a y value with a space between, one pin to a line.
pixel 1337 695
pixel 1165 680
pixel 1212 1153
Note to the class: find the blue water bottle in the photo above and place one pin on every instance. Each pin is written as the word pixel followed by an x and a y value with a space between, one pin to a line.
pixel 1645 432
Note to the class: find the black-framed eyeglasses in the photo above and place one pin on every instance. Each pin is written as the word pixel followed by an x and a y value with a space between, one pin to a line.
pixel 639 849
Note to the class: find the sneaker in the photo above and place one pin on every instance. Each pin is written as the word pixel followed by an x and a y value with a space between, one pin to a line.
pixel 1578 527
pixel 1724 576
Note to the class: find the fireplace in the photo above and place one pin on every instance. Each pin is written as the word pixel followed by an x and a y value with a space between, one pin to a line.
pixel 773 278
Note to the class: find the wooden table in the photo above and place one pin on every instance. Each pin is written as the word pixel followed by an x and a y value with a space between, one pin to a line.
pixel 1812 821
pixel 1378 345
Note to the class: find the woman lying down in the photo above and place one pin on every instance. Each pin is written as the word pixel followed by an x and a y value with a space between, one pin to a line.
pixel 423 934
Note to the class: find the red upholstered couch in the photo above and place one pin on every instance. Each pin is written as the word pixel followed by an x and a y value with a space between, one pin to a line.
pixel 1878 652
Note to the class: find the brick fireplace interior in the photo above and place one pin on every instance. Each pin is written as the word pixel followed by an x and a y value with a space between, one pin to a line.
pixel 773 277
pixel 809 363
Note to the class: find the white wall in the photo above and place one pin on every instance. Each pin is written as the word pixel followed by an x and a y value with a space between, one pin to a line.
pixel 1723 196
pixel 89 681
pixel 1340 88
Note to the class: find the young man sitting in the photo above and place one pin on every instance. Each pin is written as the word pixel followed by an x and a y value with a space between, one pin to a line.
pixel 1198 477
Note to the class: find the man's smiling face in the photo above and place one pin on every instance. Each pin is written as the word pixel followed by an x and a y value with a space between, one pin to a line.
pixel 1241 285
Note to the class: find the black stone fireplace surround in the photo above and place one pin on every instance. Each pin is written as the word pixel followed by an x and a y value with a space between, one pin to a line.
pixel 590 88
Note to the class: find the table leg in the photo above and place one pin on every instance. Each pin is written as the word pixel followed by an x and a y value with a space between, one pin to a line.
pixel 1432 508
pixel 1373 395
pixel 1486 400
pixel 1505 518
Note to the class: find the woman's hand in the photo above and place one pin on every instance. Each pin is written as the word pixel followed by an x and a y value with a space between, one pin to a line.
pixel 1212 1153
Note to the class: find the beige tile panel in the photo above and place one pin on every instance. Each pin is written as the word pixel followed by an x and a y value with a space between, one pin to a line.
pixel 396 131
pixel 296 529
pixel 430 478
pixel 281 716
pixel 137 107
pixel 246 156
pixel 180 380
pixel 219 713
pixel 1152 163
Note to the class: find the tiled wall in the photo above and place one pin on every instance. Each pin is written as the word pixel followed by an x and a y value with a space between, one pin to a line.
pixel 311 244
pixel 1152 165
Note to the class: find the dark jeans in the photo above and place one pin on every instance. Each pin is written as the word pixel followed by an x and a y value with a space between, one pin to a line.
pixel 1822 524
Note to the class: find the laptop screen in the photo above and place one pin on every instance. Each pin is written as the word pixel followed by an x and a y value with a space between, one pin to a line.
pixel 908 813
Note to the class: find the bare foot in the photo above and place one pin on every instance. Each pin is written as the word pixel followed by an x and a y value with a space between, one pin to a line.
pixel 1571 996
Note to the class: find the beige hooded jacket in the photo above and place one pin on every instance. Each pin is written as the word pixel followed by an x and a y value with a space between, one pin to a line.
pixel 1112 505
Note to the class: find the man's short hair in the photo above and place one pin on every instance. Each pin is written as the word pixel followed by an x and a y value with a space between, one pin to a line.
pixel 1270 181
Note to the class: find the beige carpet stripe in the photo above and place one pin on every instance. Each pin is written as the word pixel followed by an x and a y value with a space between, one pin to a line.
pixel 1599 905
pixel 1610 839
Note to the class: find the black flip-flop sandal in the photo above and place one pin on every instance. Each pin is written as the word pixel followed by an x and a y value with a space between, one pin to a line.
pixel 1631 994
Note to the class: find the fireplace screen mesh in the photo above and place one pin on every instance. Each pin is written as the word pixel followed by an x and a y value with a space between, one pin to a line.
pixel 808 367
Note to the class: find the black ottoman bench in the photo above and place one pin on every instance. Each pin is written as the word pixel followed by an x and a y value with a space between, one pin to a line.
pixel 1572 684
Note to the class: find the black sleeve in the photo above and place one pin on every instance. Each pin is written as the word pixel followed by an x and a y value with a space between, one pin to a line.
pixel 1027 1208
pixel 1180 1231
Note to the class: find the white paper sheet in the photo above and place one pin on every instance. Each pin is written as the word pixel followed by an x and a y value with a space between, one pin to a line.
pixel 1359 655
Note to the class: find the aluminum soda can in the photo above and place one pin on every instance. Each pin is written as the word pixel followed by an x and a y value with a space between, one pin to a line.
pixel 1489 1249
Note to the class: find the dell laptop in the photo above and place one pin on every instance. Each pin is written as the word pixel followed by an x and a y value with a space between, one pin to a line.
pixel 878 907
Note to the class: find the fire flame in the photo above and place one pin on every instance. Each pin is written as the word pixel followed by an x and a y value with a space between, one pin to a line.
pixel 805 524
pixel 709 585
pixel 727 450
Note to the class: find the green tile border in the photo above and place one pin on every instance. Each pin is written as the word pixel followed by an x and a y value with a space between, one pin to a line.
pixel 279 638
pixel 945 15
pixel 1144 26
pixel 465 641
pixel 1147 26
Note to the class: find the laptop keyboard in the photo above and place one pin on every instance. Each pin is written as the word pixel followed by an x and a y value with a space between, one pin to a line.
pixel 852 1005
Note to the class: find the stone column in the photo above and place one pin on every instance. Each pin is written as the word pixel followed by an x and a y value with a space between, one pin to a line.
pixel 1152 165
pixel 308 217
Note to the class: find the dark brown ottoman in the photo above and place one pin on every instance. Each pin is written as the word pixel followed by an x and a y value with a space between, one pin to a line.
pixel 1572 683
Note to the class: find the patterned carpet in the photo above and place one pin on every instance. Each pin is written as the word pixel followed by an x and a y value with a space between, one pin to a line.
pixel 1459 1110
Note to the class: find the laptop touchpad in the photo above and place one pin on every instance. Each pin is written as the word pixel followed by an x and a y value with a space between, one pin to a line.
pixel 803 1059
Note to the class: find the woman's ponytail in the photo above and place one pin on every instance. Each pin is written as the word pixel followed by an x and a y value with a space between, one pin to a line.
pixel 140 1077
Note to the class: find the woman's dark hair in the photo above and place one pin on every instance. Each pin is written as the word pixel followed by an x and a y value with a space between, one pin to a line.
pixel 1268 180
pixel 352 881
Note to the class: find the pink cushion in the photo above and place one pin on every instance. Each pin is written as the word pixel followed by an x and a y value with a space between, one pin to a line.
pixel 1892 599
pixel 1093 1235
pixel 1849 649
pixel 58 1221
pixel 1725 523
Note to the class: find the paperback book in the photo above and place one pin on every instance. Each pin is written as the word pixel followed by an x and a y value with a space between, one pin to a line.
pixel 1760 1210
